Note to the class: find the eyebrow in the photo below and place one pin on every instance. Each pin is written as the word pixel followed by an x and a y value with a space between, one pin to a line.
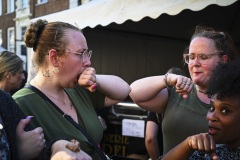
pixel 81 50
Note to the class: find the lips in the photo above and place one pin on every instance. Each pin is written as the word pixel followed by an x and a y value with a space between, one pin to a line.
pixel 213 130
pixel 197 73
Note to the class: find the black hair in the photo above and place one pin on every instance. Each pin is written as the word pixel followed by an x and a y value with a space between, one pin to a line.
pixel 225 80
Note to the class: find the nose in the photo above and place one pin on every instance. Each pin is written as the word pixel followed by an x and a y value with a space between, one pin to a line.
pixel 87 62
pixel 212 116
pixel 23 77
pixel 196 61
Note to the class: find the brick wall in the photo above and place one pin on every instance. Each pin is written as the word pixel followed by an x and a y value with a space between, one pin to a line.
pixel 6 21
pixel 51 6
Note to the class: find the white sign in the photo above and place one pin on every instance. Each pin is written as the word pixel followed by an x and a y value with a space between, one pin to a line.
pixel 134 128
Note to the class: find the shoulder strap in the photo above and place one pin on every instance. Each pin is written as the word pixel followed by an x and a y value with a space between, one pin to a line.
pixel 69 118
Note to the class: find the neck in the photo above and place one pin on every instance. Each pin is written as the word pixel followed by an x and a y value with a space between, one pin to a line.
pixel 200 89
pixel 4 87
pixel 47 86
pixel 49 90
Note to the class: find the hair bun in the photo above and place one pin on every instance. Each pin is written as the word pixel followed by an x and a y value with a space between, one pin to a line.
pixel 34 32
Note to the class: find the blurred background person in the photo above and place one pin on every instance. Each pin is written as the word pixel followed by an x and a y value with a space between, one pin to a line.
pixel 15 141
pixel 11 71
pixel 24 81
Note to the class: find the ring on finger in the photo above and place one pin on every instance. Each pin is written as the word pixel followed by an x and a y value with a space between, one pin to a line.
pixel 44 142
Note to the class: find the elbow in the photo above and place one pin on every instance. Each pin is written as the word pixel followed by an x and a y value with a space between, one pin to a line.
pixel 125 93
pixel 133 95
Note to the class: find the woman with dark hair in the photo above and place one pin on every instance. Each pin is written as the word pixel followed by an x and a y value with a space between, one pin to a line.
pixel 11 71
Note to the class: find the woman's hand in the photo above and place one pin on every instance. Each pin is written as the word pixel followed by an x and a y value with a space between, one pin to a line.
pixel 29 143
pixel 88 79
pixel 73 146
pixel 183 84
pixel 60 151
pixel 204 143
pixel 113 87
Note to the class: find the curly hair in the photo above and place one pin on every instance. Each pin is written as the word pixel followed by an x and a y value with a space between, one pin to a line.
pixel 225 80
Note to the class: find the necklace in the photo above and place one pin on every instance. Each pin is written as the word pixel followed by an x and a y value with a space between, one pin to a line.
pixel 60 100
pixel 204 92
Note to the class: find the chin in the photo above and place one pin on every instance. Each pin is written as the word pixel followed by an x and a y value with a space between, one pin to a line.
pixel 195 81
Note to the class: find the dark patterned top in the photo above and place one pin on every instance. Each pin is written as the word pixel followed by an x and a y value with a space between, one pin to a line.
pixel 10 115
pixel 223 153
pixel 4 145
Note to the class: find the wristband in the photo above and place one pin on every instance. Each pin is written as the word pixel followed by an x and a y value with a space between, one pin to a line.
pixel 165 80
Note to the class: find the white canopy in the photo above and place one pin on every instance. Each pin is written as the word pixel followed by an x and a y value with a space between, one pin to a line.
pixel 120 27
pixel 104 12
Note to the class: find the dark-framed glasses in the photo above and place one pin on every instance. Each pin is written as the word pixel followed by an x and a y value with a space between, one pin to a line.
pixel 85 55
pixel 202 57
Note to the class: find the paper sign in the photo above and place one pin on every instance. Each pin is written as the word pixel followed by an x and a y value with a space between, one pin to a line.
pixel 134 128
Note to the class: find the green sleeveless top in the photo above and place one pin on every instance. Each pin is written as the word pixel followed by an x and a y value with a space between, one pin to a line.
pixel 55 125
pixel 183 118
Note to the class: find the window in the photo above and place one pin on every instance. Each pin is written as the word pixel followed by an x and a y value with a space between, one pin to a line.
pixel 42 1
pixel 11 39
pixel 23 50
pixel 0 7
pixel 23 30
pixel 10 6
pixel 23 4
pixel 0 37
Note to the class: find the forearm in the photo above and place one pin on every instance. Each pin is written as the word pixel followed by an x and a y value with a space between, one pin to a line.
pixel 113 87
pixel 153 150
pixel 150 86
pixel 150 93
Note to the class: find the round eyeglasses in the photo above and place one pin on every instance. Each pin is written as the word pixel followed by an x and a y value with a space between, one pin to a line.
pixel 85 55
pixel 202 57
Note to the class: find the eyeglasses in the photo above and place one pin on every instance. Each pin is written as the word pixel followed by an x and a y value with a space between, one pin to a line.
pixel 85 55
pixel 202 57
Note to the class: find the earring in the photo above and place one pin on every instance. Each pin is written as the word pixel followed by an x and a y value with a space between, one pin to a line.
pixel 46 74
pixel 56 70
